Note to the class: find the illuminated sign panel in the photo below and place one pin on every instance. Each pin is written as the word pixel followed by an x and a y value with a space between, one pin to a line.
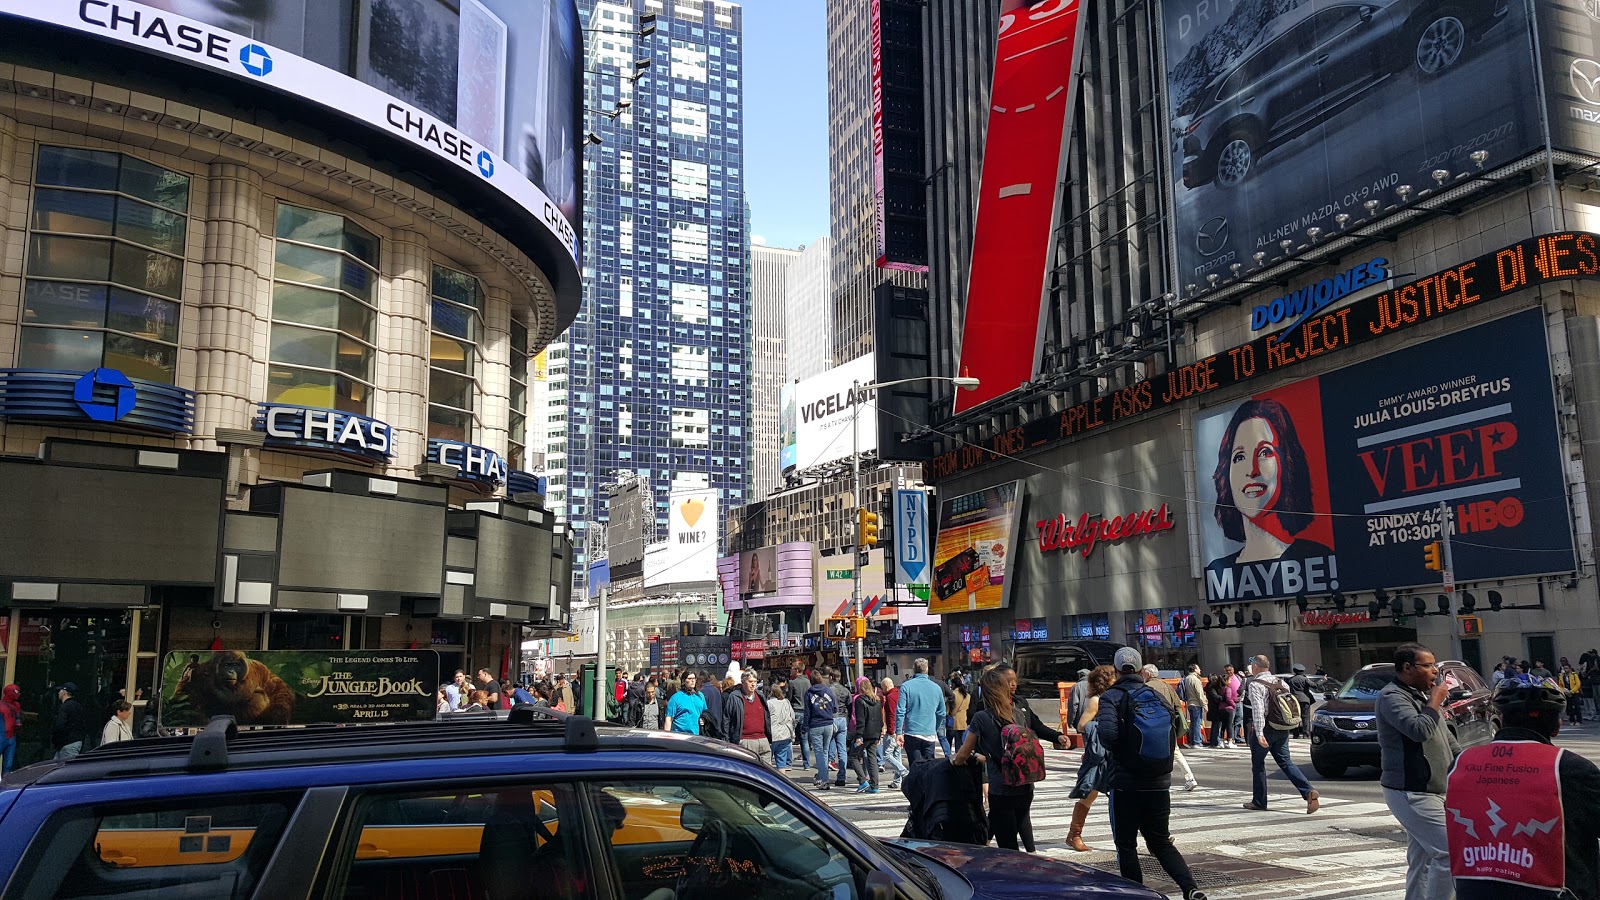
pixel 1529 263
pixel 1024 160
pixel 324 430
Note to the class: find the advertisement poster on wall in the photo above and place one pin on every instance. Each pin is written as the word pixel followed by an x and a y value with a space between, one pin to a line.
pixel 1569 32
pixel 758 571
pixel 1024 157
pixel 1291 116
pixel 788 447
pixel 1334 482
pixel 297 687
pixel 972 552
pixel 486 86
pixel 825 407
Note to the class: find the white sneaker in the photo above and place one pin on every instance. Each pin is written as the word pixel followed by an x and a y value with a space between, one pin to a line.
pixel 1190 785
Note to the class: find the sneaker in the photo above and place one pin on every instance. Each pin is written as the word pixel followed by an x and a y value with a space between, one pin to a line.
pixel 1195 894
pixel 894 785
pixel 861 788
pixel 822 786
pixel 1190 785
pixel 872 790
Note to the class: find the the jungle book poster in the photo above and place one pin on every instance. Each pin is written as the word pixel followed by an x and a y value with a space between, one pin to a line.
pixel 298 687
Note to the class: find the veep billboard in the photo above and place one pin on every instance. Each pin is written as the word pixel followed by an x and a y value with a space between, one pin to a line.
pixel 1024 161
pixel 1334 483
pixel 1327 114
pixel 825 405
pixel 487 87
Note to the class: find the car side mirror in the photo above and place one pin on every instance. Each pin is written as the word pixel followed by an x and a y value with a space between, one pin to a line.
pixel 1327 695
pixel 880 885
pixel 692 817
pixel 1366 15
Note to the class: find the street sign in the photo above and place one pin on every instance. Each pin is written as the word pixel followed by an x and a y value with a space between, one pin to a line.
pixel 1449 582
pixel 910 529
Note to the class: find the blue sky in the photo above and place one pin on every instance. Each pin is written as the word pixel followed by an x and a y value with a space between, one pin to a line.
pixel 786 120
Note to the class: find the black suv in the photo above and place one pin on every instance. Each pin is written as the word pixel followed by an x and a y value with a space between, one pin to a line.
pixel 1040 667
pixel 1312 61
pixel 1344 730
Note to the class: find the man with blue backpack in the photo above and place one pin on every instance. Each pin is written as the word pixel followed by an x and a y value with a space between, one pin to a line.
pixel 1139 730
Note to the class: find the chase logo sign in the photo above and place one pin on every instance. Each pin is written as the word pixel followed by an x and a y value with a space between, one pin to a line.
pixel 324 431
pixel 104 396
pixel 1314 298
pixel 475 463
pixel 256 60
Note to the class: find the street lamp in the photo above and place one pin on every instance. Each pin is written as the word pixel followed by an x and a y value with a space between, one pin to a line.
pixel 964 383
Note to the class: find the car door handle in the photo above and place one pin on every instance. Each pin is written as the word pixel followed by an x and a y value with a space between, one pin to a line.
pixel 371 851
pixel 1322 59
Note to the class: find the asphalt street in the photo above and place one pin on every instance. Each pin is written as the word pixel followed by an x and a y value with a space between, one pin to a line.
pixel 1351 849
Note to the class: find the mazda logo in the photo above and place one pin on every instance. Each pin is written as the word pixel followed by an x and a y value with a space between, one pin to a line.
pixel 1586 80
pixel 1212 236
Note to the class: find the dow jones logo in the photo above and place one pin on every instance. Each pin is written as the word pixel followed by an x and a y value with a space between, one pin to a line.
pixel 256 60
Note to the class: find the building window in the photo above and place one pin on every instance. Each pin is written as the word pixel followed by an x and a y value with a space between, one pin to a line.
pixel 323 314
pixel 453 358
pixel 105 265
pixel 1165 637
pixel 518 449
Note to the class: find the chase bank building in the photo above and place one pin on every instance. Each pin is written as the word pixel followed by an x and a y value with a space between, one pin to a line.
pixel 271 276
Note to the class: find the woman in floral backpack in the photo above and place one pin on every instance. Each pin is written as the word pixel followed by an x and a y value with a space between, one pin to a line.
pixel 1006 736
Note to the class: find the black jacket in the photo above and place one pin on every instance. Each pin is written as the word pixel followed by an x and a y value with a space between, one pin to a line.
pixel 1108 722
pixel 733 716
pixel 946 803
pixel 69 724
pixel 714 707
pixel 1580 795
pixel 1300 687
pixel 868 724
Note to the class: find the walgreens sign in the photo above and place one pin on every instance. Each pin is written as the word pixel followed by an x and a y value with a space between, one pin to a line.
pixel 1087 532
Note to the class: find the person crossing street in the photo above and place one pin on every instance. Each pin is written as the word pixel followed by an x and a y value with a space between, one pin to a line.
pixel 1268 732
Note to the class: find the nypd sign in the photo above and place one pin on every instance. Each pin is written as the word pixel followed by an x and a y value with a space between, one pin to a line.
pixel 1302 304
pixel 475 463
pixel 325 430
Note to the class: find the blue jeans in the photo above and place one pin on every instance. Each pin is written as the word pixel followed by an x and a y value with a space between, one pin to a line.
pixel 889 752
pixel 1278 746
pixel 783 753
pixel 805 747
pixel 820 738
pixel 1197 722
pixel 838 751
pixel 944 741
pixel 8 754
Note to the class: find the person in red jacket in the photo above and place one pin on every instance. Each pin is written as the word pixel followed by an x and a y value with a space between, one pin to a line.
pixel 10 725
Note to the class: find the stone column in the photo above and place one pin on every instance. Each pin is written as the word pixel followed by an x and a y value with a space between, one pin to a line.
pixel 13 242
pixel 494 374
pixel 404 311
pixel 235 303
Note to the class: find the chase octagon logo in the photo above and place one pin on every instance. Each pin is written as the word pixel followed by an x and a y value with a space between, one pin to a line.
pixel 256 60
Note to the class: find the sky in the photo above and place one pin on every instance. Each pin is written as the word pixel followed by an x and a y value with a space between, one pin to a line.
pixel 786 120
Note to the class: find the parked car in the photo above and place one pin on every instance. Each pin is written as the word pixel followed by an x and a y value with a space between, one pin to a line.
pixel 1313 61
pixel 1041 666
pixel 1344 730
pixel 538 805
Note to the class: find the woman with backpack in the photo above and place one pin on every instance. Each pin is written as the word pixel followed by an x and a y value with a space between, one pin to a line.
pixel 866 732
pixel 1007 735
pixel 1092 771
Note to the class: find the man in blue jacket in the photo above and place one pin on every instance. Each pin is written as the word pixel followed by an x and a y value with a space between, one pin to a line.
pixel 819 709
pixel 919 714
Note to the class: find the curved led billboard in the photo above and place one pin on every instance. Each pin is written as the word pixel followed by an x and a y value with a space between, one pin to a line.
pixel 489 88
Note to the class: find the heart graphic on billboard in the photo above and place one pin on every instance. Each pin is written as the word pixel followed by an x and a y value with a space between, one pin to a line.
pixel 691 510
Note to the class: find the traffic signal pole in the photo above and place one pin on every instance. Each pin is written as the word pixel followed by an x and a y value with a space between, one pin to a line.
pixel 1444 536
pixel 855 500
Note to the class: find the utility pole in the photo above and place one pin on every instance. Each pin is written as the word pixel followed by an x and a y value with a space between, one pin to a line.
pixel 1444 532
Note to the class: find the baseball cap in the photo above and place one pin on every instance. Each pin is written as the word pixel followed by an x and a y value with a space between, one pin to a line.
pixel 1128 660
pixel 1299 667
pixel 1082 674
pixel 70 687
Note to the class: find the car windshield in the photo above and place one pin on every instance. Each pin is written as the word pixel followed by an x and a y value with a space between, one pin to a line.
pixel 1366 685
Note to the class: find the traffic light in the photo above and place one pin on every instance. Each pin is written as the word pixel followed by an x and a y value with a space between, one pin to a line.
pixel 1432 557
pixel 867 533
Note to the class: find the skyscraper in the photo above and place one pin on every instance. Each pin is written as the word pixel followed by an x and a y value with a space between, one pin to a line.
pixel 655 374
pixel 769 278
pixel 808 311
pixel 852 179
